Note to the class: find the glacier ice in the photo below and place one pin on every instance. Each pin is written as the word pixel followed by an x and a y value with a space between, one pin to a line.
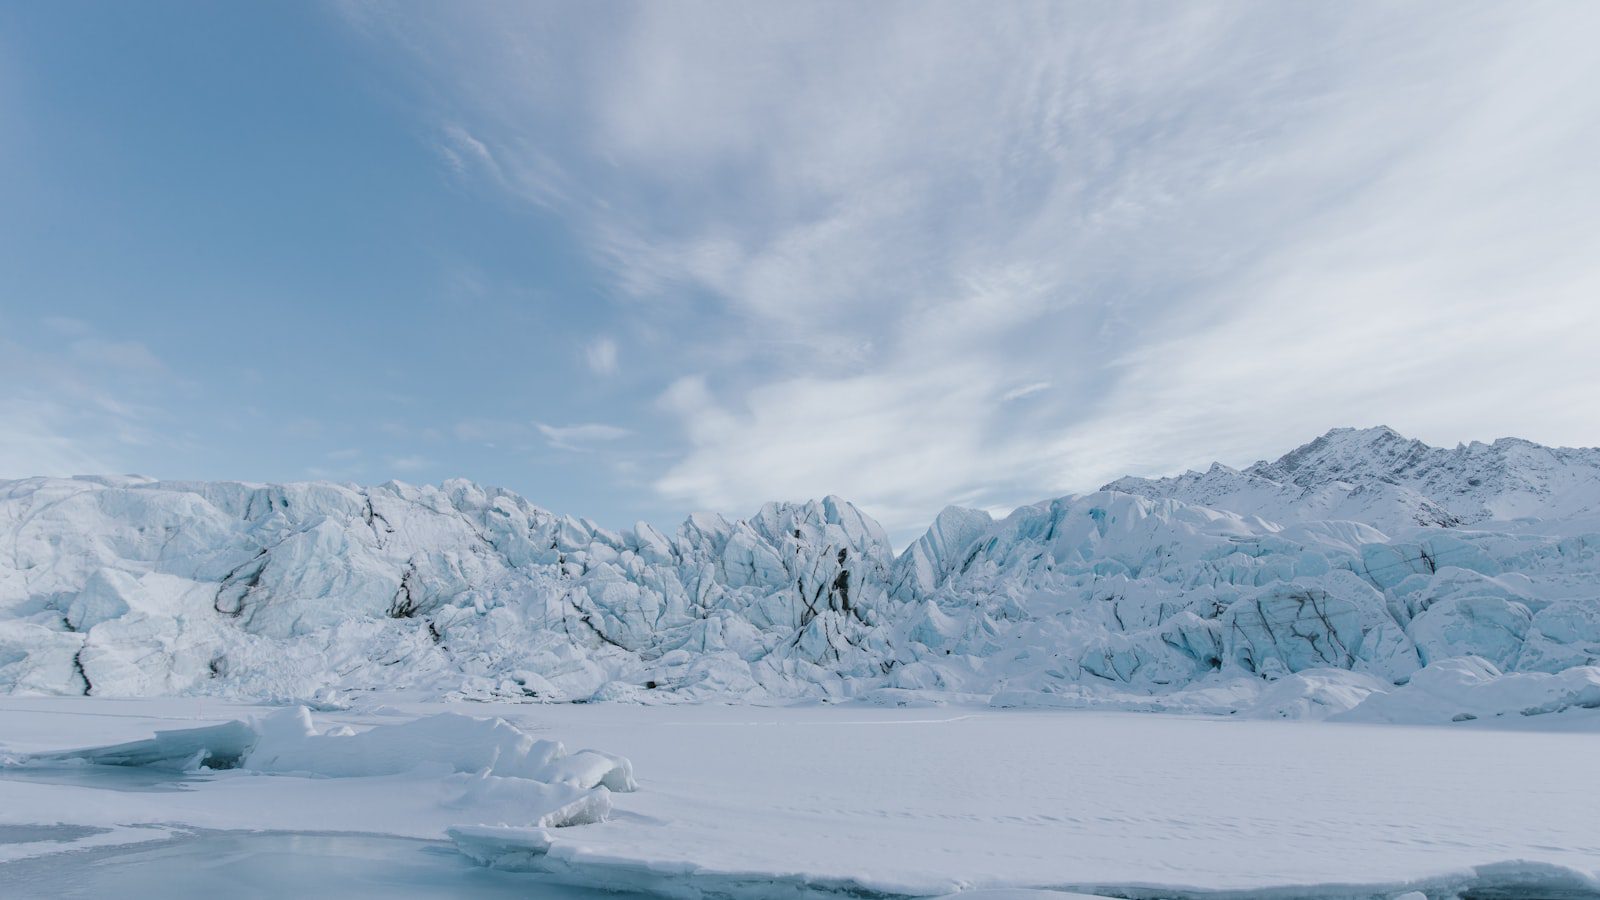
pixel 1361 551
pixel 1466 688
pixel 489 768
pixel 288 742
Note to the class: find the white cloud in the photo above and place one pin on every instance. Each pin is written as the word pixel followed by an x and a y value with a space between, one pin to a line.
pixel 1209 231
pixel 66 325
pixel 129 355
pixel 601 355
pixel 1451 296
pixel 87 408
pixel 579 437
pixel 882 437
pixel 1026 390
pixel 408 463
pixel 40 438
pixel 488 431
pixel 461 150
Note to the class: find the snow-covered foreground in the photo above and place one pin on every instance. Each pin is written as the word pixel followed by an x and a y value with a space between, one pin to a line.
pixel 763 802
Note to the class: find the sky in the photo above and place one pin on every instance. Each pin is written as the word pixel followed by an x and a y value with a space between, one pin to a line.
pixel 634 260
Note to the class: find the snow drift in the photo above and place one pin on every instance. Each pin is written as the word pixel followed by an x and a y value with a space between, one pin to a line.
pixel 488 762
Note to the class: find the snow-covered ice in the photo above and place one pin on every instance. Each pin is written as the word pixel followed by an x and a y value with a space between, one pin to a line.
pixel 411 777
pixel 810 799
pixel 202 865
pixel 1367 668
pixel 1361 551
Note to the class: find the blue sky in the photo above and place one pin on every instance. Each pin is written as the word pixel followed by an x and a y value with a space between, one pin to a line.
pixel 637 259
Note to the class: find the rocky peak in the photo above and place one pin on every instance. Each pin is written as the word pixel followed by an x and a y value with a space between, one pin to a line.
pixel 1382 478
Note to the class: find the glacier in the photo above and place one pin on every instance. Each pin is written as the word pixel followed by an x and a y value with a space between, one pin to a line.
pixel 342 689
pixel 1311 585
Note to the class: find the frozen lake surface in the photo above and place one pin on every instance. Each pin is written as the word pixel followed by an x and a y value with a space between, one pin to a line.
pixel 748 801
pixel 274 864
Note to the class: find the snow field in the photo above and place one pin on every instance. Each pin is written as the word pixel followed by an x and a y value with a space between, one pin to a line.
pixel 815 800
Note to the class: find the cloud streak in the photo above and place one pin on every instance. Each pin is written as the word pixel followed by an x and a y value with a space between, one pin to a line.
pixel 856 231
pixel 80 409
pixel 601 355
pixel 581 437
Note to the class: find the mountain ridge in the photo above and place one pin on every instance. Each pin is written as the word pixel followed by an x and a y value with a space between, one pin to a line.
pixel 128 586
pixel 1376 475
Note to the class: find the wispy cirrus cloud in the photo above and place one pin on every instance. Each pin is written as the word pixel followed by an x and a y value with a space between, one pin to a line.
pixel 1025 391
pixel 409 463
pixel 601 355
pixel 581 436
pixel 79 408
pixel 1211 229
pixel 130 356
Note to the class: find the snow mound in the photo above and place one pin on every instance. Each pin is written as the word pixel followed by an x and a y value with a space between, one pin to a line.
pixel 486 763
pixel 1313 694
pixel 1464 689
pixel 287 742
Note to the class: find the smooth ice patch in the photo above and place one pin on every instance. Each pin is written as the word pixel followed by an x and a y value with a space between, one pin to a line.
pixel 33 834
pixel 277 864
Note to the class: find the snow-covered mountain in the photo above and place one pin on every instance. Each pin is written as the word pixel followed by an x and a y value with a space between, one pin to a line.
pixel 1378 477
pixel 1361 551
